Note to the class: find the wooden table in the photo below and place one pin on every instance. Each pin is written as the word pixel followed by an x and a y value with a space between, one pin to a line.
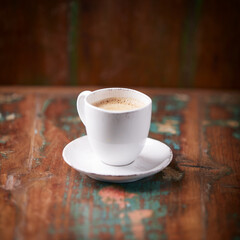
pixel 196 197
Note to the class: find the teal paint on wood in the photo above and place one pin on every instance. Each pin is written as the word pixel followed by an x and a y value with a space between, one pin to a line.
pixel 71 119
pixel 4 154
pixel 221 169
pixel 8 117
pixel 227 104
pixel 164 193
pixel 188 61
pixel 111 205
pixel 237 135
pixel 154 236
pixel 46 104
pixel 79 210
pixel 5 117
pixel 73 41
pixel 70 122
pixel 223 123
pixel 79 190
pixel 170 125
pixel 43 129
pixel 154 104
pixel 153 128
pixel 37 161
pixel 173 143
pixel 66 127
pixel 116 205
pixel 10 98
pixel 64 201
pixel 51 229
pixel 80 213
pixel 175 102
pixel 4 139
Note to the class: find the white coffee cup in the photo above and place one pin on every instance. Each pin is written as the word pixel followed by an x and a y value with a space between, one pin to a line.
pixel 116 137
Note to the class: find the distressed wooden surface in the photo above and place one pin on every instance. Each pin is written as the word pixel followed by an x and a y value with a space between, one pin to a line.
pixel 151 43
pixel 196 197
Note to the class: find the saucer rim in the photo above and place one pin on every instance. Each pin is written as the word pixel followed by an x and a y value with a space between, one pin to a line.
pixel 147 173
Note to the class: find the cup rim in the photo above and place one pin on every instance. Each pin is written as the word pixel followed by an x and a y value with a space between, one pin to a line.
pixel 119 112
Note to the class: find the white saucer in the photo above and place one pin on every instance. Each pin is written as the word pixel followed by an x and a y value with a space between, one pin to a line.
pixel 154 157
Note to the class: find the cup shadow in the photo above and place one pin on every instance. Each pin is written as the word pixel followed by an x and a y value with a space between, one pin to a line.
pixel 169 178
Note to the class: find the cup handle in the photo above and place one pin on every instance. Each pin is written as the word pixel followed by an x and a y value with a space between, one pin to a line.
pixel 81 105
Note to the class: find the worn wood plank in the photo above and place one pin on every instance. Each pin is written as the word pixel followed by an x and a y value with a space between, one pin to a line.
pixel 17 115
pixel 34 43
pixel 221 183
pixel 196 197
pixel 184 220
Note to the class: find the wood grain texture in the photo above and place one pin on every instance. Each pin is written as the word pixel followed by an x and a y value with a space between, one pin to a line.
pixel 120 43
pixel 196 197
pixel 34 42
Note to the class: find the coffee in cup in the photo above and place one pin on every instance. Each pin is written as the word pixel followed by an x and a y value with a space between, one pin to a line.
pixel 119 104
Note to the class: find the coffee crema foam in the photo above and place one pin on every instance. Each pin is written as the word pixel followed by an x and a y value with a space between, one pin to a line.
pixel 119 104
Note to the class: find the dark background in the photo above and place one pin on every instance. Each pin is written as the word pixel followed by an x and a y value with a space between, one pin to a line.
pixel 120 43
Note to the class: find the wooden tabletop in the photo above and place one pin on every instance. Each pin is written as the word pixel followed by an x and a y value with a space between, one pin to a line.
pixel 196 197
